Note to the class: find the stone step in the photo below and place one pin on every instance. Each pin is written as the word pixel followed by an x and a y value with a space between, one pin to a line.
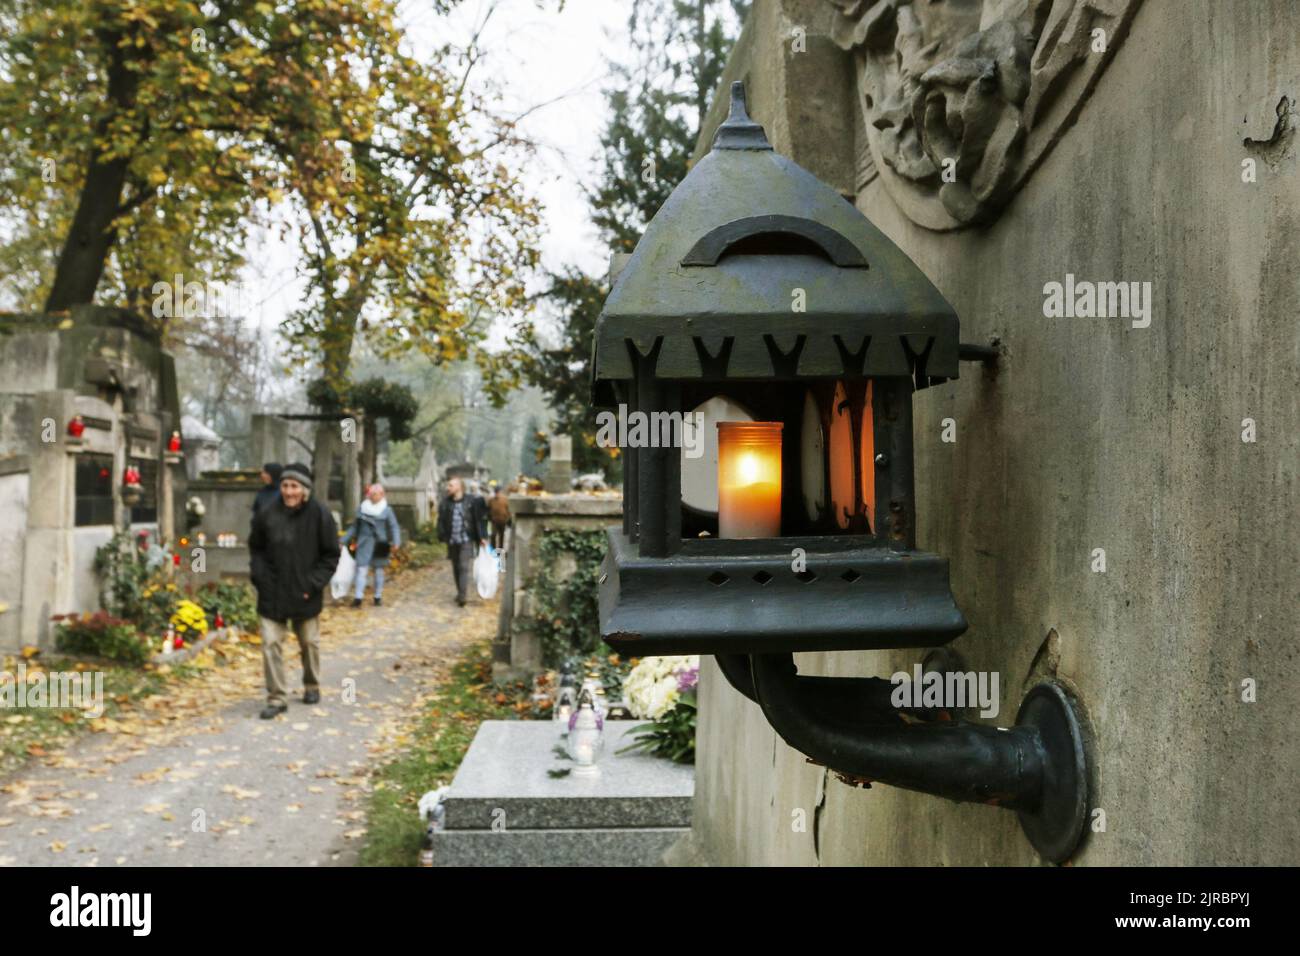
pixel 604 847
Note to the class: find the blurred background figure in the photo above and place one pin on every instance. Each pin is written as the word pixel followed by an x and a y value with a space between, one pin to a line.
pixel 374 534
pixel 499 513
pixel 270 489
pixel 463 527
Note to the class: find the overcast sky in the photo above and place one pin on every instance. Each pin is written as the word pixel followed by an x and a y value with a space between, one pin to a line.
pixel 534 55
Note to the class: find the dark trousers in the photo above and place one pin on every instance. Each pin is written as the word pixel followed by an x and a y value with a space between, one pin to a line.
pixel 498 536
pixel 461 557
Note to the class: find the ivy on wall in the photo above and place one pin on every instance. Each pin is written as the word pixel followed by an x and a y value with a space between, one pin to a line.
pixel 566 614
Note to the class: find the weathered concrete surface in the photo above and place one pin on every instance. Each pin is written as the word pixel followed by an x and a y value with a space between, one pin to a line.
pixel 1095 434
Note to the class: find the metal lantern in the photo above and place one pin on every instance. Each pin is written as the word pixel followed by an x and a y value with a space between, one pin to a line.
pixel 762 307
pixel 759 289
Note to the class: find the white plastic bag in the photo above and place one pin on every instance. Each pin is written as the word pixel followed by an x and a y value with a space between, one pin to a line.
pixel 344 574
pixel 485 573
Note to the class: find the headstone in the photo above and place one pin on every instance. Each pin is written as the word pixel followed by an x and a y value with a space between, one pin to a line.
pixel 270 439
pixel 559 469
pixel 505 809
pixel 203 447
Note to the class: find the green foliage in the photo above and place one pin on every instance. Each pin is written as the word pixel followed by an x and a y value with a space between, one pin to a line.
pixel 671 736
pixel 376 397
pixel 420 550
pixel 236 601
pixel 449 721
pixel 146 596
pixel 657 108
pixel 564 372
pixel 418 554
pixel 130 588
pixel 165 130
pixel 100 635
pixel 425 533
pixel 325 394
pixel 380 398
pixel 566 612
pixel 610 668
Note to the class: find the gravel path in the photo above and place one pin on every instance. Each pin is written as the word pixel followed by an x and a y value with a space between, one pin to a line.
pixel 193 777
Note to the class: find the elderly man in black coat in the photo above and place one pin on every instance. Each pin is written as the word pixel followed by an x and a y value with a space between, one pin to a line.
pixel 295 550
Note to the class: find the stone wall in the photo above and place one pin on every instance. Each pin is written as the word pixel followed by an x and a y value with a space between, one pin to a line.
pixel 13 539
pixel 227 498
pixel 517 651
pixel 1091 434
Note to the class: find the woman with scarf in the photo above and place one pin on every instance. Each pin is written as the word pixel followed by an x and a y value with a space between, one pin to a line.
pixel 375 533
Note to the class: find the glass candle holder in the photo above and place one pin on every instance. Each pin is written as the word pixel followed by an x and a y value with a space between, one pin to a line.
pixel 749 479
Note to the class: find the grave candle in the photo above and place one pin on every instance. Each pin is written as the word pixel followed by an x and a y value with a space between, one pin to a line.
pixel 749 479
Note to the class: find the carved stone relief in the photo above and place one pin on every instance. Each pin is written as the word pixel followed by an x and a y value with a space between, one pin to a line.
pixel 964 98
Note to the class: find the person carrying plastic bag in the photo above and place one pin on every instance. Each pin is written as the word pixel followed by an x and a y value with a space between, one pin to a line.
pixel 342 579
pixel 462 526
pixel 374 534
pixel 486 573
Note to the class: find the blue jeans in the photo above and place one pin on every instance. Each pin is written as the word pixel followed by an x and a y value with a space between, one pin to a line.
pixel 360 589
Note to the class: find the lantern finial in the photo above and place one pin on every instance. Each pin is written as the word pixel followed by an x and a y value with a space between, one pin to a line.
pixel 739 131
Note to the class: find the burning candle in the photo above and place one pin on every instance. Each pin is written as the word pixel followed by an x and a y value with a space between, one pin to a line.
pixel 749 479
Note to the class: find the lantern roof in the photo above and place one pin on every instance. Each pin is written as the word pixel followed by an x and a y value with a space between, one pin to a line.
pixel 755 269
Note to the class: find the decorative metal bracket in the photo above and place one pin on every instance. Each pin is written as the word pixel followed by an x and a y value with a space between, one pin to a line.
pixel 1037 767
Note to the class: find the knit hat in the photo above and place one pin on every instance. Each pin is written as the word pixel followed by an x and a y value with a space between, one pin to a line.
pixel 298 472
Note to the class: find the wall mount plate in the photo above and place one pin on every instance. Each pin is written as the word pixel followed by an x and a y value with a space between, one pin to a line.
pixel 1055 827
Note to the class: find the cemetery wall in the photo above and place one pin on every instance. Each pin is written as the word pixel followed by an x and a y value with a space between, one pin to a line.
pixel 1092 434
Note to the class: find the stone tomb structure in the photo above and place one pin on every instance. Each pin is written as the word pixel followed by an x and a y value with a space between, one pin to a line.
pixel 62 493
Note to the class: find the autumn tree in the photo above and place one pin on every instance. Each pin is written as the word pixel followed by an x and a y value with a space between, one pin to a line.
pixel 171 127
pixel 156 120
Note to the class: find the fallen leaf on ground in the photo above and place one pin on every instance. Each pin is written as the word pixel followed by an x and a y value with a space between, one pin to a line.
pixel 240 793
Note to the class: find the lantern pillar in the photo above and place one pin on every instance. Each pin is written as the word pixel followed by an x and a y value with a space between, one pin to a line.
pixel 658 477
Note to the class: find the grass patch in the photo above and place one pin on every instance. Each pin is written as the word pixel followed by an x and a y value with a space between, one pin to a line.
pixel 443 733
pixel 36 731
pixel 418 554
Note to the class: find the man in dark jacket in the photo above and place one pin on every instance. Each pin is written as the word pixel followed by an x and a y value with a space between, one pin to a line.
pixel 270 489
pixel 295 550
pixel 462 526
